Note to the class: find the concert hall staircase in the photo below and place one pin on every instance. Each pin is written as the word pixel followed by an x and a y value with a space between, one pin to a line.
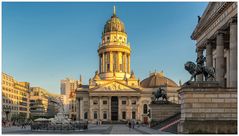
pixel 169 124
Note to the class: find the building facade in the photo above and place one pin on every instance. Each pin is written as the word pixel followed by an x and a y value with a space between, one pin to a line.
pixel 216 35
pixel 114 93
pixel 53 104
pixel 15 97
pixel 211 107
pixel 38 102
pixel 68 88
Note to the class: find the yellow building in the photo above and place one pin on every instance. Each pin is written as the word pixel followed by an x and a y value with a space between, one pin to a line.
pixel 15 97
pixel 114 93
pixel 38 102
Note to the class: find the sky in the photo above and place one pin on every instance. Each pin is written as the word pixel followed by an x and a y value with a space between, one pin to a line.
pixel 43 43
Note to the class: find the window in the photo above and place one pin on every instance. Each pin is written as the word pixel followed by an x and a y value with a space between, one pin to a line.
pixel 95 102
pixel 123 102
pixel 105 115
pixel 123 115
pixel 85 115
pixel 133 115
pixel 104 102
pixel 145 109
pixel 133 102
pixel 95 115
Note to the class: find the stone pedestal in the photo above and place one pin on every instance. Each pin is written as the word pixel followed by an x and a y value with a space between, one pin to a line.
pixel 163 111
pixel 208 108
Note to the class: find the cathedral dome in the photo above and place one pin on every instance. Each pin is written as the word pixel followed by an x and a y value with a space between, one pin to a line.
pixel 114 24
pixel 156 80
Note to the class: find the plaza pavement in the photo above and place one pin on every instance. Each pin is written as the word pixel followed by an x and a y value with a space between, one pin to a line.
pixel 92 129
pixel 123 129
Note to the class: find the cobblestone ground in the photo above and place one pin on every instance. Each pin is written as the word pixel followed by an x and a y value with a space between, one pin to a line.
pixel 92 129
pixel 123 129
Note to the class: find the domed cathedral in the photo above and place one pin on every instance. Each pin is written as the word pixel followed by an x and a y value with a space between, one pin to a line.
pixel 114 93
pixel 156 80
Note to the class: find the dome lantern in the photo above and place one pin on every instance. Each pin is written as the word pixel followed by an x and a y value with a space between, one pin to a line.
pixel 114 24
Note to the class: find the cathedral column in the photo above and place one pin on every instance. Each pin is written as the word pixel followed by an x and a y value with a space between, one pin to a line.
pixel 100 107
pixel 220 64
pixel 118 61
pixel 138 112
pixel 109 107
pixel 119 108
pixel 209 58
pixel 128 63
pixel 233 53
pixel 103 62
pixel 90 109
pixel 138 109
pixel 107 54
pixel 129 108
pixel 99 63
pixel 199 53
pixel 111 62
pixel 124 58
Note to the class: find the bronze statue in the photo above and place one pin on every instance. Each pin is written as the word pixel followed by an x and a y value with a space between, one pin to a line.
pixel 160 93
pixel 193 69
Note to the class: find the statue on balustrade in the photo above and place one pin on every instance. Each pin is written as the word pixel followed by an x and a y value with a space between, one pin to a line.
pixel 199 68
pixel 160 93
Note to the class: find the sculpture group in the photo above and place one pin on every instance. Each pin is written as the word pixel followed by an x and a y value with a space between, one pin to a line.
pixel 160 93
pixel 199 68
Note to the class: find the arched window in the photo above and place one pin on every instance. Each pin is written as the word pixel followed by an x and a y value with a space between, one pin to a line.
pixel 145 109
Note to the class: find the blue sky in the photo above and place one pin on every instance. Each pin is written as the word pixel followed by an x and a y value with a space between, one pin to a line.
pixel 43 43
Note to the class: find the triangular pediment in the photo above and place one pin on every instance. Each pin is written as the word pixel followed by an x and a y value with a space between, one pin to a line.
pixel 114 86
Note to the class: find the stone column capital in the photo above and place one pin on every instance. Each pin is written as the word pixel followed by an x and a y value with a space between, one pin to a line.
pixel 232 20
pixel 221 32
pixel 208 42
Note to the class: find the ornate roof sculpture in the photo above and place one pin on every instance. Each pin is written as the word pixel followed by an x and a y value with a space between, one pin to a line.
pixel 156 80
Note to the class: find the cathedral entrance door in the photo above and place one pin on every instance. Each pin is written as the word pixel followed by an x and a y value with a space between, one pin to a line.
pixel 114 108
